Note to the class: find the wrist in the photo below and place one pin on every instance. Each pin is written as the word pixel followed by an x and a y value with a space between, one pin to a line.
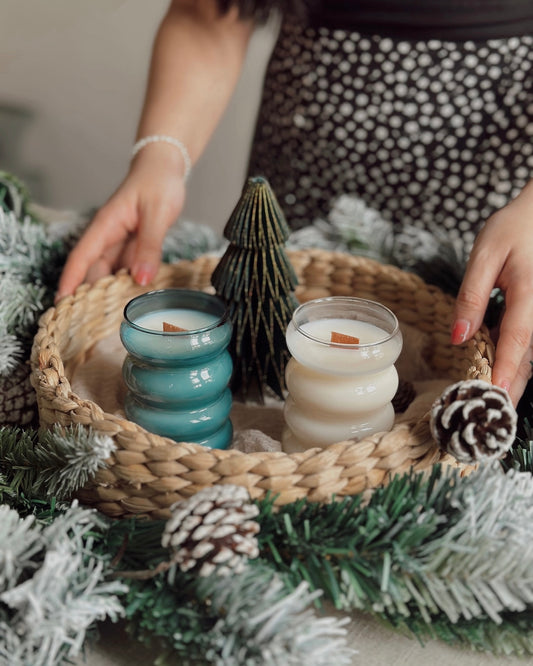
pixel 157 164
pixel 165 146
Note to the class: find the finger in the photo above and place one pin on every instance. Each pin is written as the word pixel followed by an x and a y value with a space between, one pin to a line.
pixel 97 270
pixel 518 385
pixel 150 237
pixel 105 230
pixel 127 256
pixel 516 330
pixel 100 268
pixel 109 261
pixel 473 297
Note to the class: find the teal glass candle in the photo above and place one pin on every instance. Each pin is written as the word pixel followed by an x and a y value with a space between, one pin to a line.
pixel 178 380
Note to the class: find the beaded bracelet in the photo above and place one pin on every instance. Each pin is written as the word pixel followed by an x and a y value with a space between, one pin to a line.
pixel 155 138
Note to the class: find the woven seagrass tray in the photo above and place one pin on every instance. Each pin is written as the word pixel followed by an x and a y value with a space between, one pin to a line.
pixel 147 473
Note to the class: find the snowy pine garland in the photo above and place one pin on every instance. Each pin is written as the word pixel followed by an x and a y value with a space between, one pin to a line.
pixel 52 587
pixel 423 556
pixel 445 557
pixel 410 555
pixel 52 463
pixel 249 619
pixel 24 294
pixel 352 226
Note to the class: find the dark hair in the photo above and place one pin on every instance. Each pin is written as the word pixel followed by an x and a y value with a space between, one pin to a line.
pixel 262 9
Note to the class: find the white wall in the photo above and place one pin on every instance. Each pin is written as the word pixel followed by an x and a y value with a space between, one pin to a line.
pixel 81 67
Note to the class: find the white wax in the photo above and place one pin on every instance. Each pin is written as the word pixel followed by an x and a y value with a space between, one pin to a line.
pixel 322 429
pixel 186 318
pixel 375 351
pixel 338 392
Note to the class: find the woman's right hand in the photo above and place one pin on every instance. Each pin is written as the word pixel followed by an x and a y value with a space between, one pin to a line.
pixel 196 60
pixel 128 231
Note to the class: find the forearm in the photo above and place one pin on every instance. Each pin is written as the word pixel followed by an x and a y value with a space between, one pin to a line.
pixel 196 61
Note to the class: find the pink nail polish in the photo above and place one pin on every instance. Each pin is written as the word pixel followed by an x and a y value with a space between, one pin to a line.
pixel 460 331
pixel 143 274
pixel 505 384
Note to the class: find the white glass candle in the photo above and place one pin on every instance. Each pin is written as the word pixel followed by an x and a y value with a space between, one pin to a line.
pixel 337 390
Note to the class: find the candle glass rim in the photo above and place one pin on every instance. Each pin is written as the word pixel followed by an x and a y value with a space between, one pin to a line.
pixel 212 298
pixel 351 300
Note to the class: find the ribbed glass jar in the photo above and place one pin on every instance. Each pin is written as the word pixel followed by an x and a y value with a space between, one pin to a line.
pixel 339 390
pixel 178 380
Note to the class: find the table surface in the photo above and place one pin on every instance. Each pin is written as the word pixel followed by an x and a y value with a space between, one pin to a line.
pixel 375 645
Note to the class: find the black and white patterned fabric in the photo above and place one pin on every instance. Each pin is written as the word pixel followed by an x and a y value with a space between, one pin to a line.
pixel 433 134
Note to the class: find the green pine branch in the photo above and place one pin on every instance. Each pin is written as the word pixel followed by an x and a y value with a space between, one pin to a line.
pixel 189 240
pixel 444 551
pixel 513 635
pixel 28 252
pixel 30 264
pixel 520 456
pixel 401 556
pixel 14 195
pixel 348 548
pixel 49 463
pixel 249 618
pixel 428 555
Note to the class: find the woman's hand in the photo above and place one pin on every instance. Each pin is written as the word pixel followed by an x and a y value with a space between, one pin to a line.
pixel 128 231
pixel 197 57
pixel 502 257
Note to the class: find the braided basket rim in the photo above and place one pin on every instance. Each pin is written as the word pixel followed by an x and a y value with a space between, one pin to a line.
pixel 147 473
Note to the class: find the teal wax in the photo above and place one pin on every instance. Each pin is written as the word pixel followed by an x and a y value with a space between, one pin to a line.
pixel 178 381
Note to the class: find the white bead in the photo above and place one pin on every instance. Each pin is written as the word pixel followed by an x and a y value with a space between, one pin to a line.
pixel 156 138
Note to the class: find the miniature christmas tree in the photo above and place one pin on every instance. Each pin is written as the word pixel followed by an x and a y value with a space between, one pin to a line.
pixel 256 280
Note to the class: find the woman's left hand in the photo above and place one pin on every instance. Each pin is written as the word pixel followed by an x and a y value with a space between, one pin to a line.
pixel 502 257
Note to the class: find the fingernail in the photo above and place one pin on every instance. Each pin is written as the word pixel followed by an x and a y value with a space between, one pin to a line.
pixel 460 331
pixel 505 384
pixel 143 274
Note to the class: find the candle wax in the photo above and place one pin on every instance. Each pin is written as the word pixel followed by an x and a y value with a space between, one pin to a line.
pixel 375 351
pixel 178 381
pixel 338 391
pixel 366 332
pixel 186 318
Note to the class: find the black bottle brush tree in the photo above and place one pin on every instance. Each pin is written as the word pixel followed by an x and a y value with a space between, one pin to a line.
pixel 256 280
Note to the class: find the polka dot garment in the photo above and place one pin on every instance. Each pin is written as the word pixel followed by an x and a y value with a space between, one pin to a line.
pixel 434 134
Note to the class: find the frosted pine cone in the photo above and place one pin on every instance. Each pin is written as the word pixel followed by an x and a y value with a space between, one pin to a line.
pixel 213 529
pixel 474 421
